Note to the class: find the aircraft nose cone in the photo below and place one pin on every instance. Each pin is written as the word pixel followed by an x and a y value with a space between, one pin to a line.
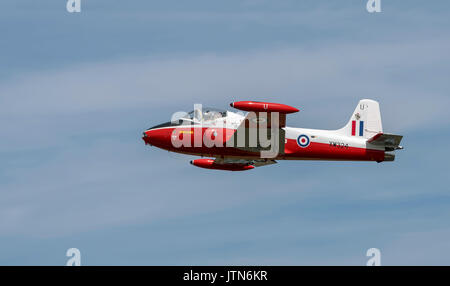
pixel 158 137
pixel 146 137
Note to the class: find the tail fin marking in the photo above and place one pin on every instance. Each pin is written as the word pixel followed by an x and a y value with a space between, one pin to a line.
pixel 365 121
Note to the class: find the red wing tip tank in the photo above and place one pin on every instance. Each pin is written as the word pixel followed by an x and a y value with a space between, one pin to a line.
pixel 210 164
pixel 257 106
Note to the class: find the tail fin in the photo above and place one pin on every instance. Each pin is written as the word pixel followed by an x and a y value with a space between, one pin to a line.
pixel 365 121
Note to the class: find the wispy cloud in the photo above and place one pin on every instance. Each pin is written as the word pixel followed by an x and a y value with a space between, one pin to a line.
pixel 400 76
pixel 82 114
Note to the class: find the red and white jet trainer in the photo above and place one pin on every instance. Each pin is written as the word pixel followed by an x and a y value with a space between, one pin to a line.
pixel 361 139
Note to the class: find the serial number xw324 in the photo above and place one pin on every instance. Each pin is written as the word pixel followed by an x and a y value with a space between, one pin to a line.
pixel 338 144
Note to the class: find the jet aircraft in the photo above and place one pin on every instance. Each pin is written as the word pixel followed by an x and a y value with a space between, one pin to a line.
pixel 235 141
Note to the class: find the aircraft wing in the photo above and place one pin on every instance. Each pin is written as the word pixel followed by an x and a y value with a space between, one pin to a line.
pixel 233 161
pixel 391 142
pixel 261 117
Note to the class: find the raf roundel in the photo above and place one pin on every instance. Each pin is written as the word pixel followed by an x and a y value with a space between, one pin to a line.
pixel 303 141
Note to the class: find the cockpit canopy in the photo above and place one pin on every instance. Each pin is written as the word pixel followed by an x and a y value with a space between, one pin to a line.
pixel 205 114
pixel 197 116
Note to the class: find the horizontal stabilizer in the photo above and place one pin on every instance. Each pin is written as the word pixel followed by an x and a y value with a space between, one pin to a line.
pixel 391 142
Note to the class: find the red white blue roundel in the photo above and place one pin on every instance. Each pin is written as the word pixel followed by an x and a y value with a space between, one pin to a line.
pixel 303 141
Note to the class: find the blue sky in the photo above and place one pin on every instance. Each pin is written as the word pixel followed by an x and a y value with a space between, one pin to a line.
pixel 76 91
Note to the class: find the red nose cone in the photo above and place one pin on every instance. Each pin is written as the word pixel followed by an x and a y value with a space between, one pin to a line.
pixel 146 137
pixel 158 137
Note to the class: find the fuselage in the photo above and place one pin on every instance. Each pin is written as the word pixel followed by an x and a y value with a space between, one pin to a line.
pixel 299 143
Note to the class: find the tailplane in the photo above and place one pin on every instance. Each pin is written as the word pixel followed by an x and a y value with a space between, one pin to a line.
pixel 390 142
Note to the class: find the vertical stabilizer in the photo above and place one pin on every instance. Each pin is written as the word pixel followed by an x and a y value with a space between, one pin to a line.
pixel 365 121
